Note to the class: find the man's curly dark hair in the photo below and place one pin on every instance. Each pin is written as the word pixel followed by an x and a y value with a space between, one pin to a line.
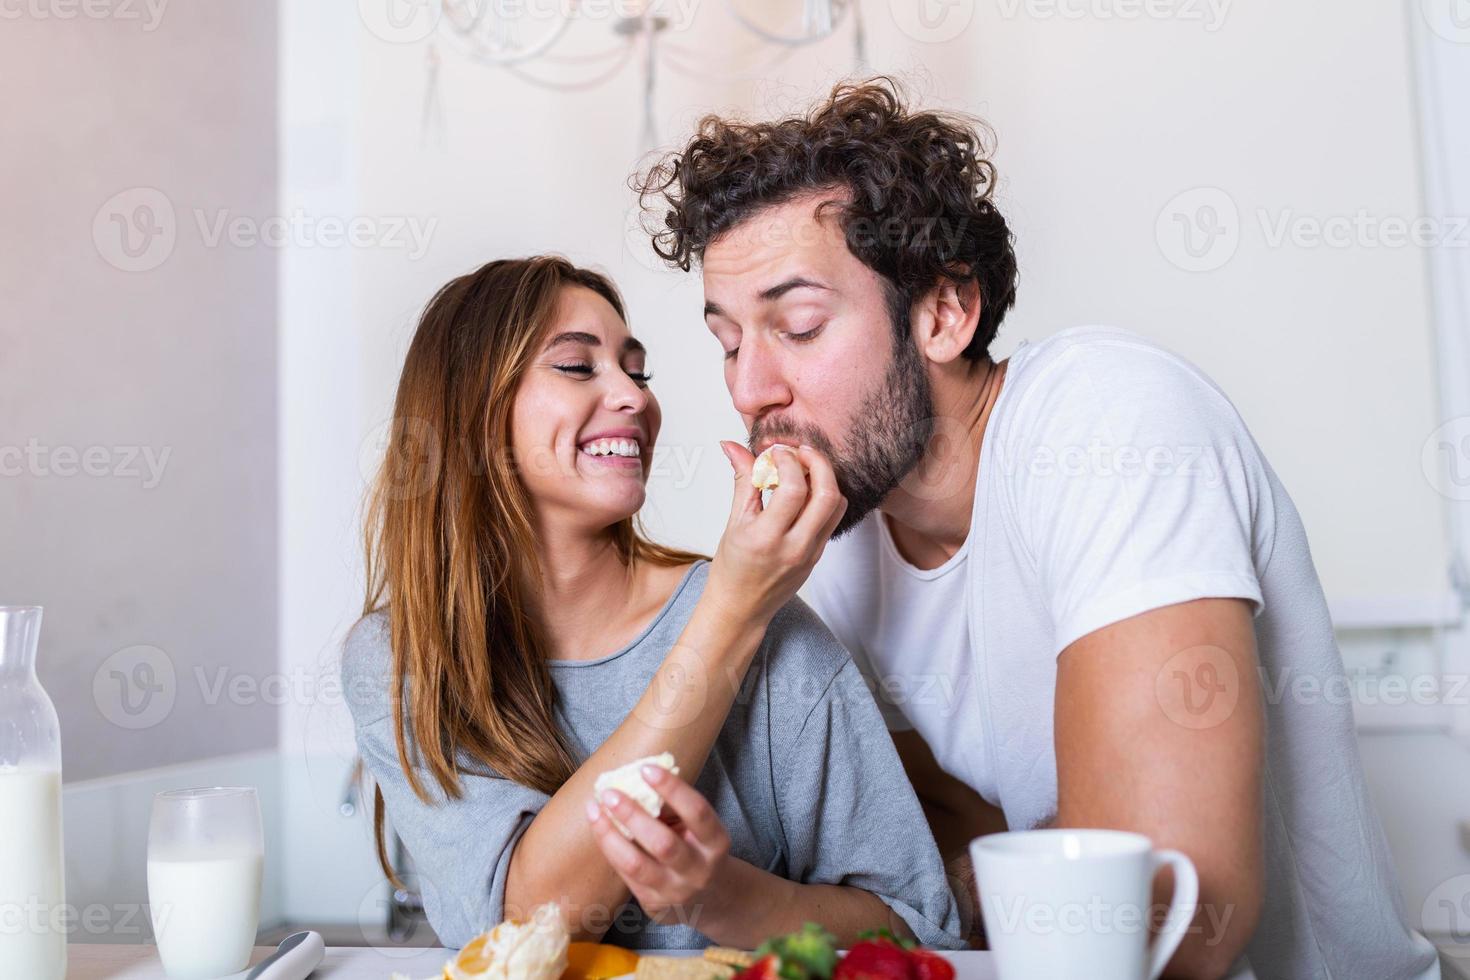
pixel 917 206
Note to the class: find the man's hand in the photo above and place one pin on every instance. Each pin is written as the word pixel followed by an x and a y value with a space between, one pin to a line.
pixel 1160 730
pixel 672 867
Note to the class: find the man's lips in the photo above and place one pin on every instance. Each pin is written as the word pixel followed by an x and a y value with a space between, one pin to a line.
pixel 769 441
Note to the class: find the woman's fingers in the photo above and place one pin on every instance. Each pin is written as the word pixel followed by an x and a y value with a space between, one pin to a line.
pixel 654 837
pixel 689 805
pixel 747 497
pixel 788 498
pixel 825 504
pixel 625 857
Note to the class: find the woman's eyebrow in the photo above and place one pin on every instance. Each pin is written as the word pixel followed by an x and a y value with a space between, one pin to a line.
pixel 591 340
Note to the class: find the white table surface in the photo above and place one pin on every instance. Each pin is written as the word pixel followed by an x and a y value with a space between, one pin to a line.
pixel 102 962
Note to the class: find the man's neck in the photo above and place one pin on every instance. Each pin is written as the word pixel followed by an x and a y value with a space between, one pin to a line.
pixel 929 513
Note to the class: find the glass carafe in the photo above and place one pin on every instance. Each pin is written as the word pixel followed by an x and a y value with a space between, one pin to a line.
pixel 33 919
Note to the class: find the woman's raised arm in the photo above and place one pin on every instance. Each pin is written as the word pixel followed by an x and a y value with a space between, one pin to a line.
pixel 764 556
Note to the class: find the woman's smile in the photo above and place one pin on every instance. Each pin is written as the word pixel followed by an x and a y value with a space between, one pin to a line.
pixel 620 449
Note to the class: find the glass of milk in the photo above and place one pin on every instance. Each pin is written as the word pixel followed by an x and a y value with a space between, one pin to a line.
pixel 205 853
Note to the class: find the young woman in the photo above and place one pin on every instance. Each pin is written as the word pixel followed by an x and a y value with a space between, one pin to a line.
pixel 520 637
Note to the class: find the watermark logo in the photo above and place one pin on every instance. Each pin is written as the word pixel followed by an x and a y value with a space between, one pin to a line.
pixel 1445 459
pixel 135 687
pixel 400 21
pixel 1446 914
pixel 1198 687
pixel 1450 19
pixel 135 230
pixel 932 21
pixel 138 229
pixel 1199 229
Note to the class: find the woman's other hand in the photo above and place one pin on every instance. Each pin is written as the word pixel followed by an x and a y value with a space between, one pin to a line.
pixel 673 864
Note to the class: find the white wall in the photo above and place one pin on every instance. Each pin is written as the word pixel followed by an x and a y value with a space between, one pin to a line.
pixel 137 391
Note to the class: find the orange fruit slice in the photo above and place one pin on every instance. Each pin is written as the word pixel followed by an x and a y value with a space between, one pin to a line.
pixel 472 959
pixel 598 961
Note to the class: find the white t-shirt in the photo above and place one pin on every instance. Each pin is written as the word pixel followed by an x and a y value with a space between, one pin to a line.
pixel 1116 478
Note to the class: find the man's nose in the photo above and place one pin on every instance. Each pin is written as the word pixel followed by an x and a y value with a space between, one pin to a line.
pixel 756 382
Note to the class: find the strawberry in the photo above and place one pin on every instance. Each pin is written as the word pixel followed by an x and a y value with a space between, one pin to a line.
pixel 765 968
pixel 874 959
pixel 929 965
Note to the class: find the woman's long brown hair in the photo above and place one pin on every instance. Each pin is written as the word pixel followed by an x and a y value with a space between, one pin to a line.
pixel 451 550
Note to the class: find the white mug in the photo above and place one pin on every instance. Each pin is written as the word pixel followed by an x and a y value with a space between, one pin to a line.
pixel 1075 903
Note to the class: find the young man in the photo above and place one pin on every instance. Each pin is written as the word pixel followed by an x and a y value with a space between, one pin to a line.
pixel 1071 577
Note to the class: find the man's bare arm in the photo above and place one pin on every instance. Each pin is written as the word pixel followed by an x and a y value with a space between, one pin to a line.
pixel 1159 730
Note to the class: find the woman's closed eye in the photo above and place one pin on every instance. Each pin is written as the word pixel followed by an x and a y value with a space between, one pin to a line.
pixel 641 378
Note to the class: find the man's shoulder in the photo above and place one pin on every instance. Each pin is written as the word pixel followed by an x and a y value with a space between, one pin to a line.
pixel 1104 383
pixel 1121 360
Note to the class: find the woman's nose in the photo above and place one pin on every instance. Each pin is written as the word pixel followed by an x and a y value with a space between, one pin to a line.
pixel 625 395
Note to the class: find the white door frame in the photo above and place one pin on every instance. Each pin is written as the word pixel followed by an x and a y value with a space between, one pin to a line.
pixel 1440 32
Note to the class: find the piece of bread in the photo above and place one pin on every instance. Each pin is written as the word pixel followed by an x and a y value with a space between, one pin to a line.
pixel 532 949
pixel 629 781
pixel 763 474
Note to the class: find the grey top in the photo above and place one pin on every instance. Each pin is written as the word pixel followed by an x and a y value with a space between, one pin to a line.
pixel 804 776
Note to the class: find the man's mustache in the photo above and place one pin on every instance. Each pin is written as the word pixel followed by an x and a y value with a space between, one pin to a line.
pixel 791 433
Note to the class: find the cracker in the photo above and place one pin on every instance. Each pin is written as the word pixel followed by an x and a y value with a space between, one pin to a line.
pixel 681 968
pixel 738 958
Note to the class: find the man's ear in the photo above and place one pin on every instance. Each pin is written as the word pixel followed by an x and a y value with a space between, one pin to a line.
pixel 945 318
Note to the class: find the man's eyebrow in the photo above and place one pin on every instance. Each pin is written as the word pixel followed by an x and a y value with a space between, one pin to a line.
pixel 591 340
pixel 782 288
pixel 772 293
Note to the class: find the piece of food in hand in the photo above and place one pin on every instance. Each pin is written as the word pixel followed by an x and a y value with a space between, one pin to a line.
pixel 763 474
pixel 681 968
pixel 629 781
pixel 534 949
pixel 598 961
pixel 875 959
pixel 810 954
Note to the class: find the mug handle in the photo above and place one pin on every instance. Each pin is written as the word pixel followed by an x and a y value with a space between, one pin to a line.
pixel 1181 908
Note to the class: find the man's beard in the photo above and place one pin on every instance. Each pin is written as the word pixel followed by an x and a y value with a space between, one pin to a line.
pixel 888 437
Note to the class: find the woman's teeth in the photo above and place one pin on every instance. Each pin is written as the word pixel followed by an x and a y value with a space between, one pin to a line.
pixel 612 447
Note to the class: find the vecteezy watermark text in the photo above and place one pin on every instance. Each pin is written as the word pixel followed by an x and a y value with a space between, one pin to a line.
pixel 35 458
